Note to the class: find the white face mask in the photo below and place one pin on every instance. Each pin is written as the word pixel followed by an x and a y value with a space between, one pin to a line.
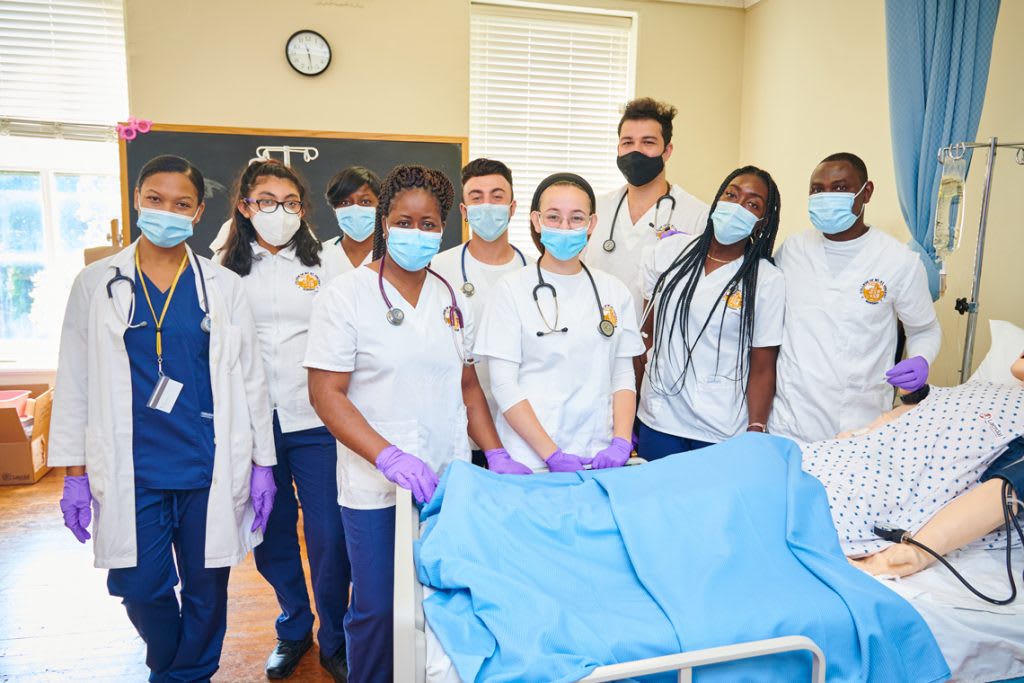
pixel 276 228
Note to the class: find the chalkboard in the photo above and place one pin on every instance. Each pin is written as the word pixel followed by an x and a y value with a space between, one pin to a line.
pixel 222 154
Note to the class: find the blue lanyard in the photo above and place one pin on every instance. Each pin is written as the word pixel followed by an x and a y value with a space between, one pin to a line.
pixel 467 287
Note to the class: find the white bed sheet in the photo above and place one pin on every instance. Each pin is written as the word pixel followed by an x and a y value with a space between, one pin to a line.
pixel 981 642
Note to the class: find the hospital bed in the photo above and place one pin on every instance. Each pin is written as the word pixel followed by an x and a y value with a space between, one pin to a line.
pixel 416 650
pixel 980 642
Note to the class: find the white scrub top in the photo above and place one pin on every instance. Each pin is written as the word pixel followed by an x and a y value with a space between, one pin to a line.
pixel 711 405
pixel 281 290
pixel 634 240
pixel 484 278
pixel 406 379
pixel 336 261
pixel 567 377
pixel 840 333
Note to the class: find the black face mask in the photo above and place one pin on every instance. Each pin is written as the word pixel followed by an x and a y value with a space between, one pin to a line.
pixel 640 169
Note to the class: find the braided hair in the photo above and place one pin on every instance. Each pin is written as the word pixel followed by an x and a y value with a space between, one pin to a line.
pixel 403 178
pixel 237 250
pixel 686 270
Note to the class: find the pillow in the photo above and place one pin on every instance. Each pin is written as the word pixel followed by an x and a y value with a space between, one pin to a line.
pixel 1007 346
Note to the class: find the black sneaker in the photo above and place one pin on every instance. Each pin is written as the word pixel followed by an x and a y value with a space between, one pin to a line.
pixel 286 655
pixel 336 665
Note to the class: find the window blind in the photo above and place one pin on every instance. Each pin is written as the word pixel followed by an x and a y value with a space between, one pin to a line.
pixel 547 88
pixel 62 62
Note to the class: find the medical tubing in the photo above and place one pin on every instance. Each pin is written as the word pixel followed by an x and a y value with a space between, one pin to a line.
pixel 1007 518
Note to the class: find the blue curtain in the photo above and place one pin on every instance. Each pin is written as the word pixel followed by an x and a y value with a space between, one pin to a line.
pixel 939 52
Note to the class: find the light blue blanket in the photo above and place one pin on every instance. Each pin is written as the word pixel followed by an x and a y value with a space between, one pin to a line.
pixel 546 577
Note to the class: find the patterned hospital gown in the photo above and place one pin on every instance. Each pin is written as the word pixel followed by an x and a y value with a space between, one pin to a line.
pixel 903 473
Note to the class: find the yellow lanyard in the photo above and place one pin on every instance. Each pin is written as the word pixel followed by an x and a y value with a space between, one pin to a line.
pixel 167 302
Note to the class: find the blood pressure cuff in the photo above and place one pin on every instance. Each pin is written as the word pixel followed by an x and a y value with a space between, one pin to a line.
pixel 1009 466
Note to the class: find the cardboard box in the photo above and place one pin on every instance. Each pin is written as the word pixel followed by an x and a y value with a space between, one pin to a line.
pixel 23 458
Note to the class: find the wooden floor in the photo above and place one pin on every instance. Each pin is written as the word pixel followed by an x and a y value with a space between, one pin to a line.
pixel 59 624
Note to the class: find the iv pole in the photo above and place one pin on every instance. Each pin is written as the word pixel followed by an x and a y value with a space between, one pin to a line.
pixel 957 151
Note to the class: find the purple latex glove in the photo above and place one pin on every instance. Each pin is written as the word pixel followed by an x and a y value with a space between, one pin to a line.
pixel 615 455
pixel 76 506
pixel 262 490
pixel 909 375
pixel 669 233
pixel 409 472
pixel 500 462
pixel 560 461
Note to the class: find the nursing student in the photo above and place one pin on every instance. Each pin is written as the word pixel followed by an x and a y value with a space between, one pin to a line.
pixel 632 218
pixel 477 265
pixel 715 323
pixel 353 193
pixel 391 375
pixel 271 246
pixel 161 416
pixel 560 338
pixel 847 285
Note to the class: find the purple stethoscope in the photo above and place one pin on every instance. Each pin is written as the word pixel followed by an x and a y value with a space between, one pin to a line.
pixel 453 316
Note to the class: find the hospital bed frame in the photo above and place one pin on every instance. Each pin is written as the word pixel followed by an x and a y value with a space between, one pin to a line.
pixel 410 635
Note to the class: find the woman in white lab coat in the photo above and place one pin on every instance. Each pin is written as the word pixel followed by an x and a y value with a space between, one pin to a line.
pixel 272 247
pixel 560 340
pixel 391 375
pixel 161 416
pixel 353 194
pixel 718 303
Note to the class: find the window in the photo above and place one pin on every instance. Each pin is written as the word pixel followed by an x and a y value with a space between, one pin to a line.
pixel 547 87
pixel 63 87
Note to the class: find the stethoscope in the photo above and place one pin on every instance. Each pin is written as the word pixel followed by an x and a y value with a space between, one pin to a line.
pixel 453 317
pixel 609 244
pixel 606 327
pixel 205 324
pixel 468 288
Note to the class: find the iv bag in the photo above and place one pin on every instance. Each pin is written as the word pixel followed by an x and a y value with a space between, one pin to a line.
pixel 949 208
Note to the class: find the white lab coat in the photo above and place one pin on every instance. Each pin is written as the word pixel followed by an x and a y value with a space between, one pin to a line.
pixel 840 333
pixel 711 405
pixel 406 380
pixel 566 376
pixel 92 409
pixel 336 261
pixel 634 241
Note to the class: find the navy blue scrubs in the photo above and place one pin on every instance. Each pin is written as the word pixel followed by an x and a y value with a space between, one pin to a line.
pixel 173 458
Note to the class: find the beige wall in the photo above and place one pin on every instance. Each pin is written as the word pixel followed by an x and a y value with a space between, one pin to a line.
pixel 814 82
pixel 402 66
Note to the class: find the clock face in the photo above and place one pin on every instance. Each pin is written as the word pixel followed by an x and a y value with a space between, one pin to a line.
pixel 308 52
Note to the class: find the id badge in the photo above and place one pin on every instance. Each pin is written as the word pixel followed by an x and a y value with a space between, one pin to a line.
pixel 165 394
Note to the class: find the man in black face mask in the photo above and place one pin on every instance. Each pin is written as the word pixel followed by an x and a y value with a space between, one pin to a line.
pixel 631 219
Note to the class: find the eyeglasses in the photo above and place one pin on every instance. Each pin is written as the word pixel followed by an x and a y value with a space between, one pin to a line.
pixel 553 219
pixel 270 205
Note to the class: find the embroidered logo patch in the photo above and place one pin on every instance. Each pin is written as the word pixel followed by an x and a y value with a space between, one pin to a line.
pixel 873 291
pixel 308 281
pixel 608 313
pixel 735 300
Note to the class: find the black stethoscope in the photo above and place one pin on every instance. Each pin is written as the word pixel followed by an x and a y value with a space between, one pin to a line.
pixel 205 324
pixel 453 317
pixel 609 244
pixel 606 327
pixel 468 288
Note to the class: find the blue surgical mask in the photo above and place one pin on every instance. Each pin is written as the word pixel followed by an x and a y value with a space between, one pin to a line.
pixel 412 249
pixel 732 222
pixel 488 221
pixel 356 221
pixel 164 228
pixel 832 212
pixel 564 245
